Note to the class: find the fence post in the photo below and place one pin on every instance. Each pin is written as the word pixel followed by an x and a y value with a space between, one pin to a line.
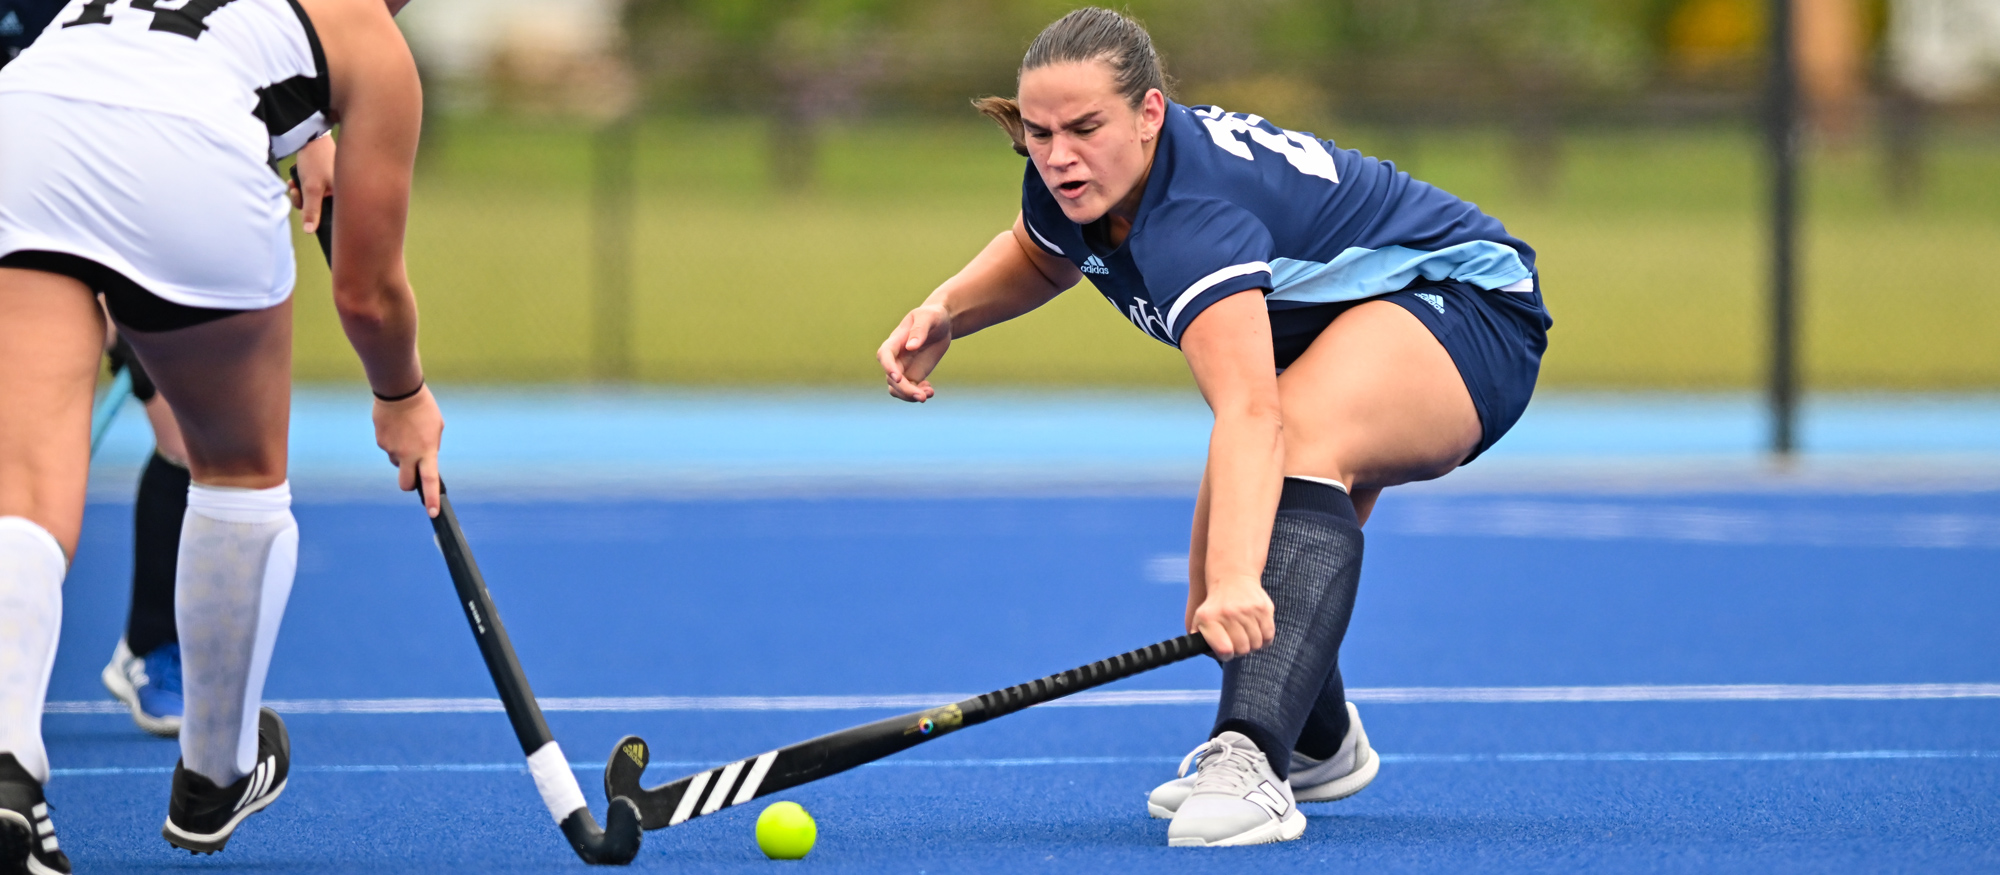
pixel 1781 130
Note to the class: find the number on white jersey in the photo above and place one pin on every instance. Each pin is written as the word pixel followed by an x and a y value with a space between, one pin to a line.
pixel 184 17
pixel 1304 152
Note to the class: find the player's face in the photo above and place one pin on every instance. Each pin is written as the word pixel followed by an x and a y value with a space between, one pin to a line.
pixel 1091 147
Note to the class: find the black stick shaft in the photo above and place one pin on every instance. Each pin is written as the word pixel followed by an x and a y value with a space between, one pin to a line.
pixel 512 683
pixel 741 781
pixel 616 845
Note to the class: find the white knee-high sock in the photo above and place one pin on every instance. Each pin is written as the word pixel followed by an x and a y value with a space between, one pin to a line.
pixel 239 549
pixel 31 576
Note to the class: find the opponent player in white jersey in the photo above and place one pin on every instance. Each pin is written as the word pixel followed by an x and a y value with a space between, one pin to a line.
pixel 1351 328
pixel 145 668
pixel 134 150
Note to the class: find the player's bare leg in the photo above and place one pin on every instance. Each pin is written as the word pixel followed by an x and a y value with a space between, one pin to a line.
pixel 51 336
pixel 229 381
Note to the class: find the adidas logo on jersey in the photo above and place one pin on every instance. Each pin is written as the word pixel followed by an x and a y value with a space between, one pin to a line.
pixel 11 25
pixel 1095 265
pixel 1436 301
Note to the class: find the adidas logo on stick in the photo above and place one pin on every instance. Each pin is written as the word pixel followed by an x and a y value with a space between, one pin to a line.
pixel 1095 265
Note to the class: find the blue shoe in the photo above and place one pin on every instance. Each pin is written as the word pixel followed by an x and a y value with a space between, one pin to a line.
pixel 149 685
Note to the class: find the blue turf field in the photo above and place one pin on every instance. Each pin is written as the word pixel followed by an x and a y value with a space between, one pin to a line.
pixel 781 598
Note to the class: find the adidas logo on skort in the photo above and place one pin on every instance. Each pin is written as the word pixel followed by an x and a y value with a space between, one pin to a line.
pixel 1436 301
pixel 1095 265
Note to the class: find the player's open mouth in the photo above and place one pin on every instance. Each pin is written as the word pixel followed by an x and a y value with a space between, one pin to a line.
pixel 1073 187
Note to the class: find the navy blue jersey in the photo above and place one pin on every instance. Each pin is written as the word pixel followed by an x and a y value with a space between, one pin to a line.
pixel 21 21
pixel 1235 203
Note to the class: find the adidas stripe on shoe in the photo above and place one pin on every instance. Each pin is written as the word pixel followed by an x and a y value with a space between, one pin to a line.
pixel 27 836
pixel 202 816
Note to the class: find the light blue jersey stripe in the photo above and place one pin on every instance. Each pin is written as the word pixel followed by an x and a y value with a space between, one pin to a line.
pixel 1364 273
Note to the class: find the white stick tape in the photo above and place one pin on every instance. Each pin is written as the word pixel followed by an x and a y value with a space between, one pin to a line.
pixel 555 781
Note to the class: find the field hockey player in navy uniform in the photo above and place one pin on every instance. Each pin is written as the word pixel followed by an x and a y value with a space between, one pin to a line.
pixel 136 145
pixel 1351 328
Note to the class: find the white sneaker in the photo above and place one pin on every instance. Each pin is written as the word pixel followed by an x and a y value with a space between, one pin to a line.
pixel 1347 772
pixel 1342 775
pixel 1237 799
pixel 155 701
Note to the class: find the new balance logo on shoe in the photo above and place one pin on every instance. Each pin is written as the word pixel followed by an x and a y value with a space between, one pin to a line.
pixel 1271 798
pixel 1095 265
pixel 1436 301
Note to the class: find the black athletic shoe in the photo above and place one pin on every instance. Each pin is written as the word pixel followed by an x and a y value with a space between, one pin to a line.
pixel 27 838
pixel 202 816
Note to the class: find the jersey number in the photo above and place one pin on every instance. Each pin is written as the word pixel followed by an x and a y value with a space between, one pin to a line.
pixel 1304 152
pixel 185 19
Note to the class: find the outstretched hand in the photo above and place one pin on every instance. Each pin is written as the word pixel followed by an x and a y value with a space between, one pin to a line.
pixel 410 431
pixel 913 350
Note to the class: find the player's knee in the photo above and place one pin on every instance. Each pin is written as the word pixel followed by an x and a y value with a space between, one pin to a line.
pixel 1322 460
pixel 243 470
pixel 64 524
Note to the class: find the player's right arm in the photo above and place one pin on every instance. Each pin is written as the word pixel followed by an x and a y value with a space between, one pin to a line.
pixel 1009 277
pixel 378 102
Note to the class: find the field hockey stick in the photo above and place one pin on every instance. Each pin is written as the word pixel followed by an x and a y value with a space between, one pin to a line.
pixel 614 845
pixel 108 407
pixel 618 842
pixel 787 767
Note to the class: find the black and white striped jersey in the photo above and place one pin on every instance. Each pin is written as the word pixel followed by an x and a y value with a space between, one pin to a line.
pixel 252 71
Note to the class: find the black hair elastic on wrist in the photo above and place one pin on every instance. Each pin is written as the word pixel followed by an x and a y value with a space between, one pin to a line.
pixel 391 399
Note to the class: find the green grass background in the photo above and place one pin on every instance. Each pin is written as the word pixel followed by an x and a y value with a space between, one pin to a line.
pixel 1651 244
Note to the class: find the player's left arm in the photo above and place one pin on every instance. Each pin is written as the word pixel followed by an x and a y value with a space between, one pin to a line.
pixel 1228 347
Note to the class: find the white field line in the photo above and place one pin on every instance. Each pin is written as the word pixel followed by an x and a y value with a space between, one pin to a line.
pixel 1808 756
pixel 1605 521
pixel 1123 698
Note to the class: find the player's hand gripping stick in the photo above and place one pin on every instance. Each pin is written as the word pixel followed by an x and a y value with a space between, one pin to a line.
pixel 618 842
pixel 741 781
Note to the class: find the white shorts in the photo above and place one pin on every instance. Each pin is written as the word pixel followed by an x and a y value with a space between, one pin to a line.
pixel 179 211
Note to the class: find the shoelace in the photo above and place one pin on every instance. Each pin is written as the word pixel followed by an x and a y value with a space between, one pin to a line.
pixel 1223 767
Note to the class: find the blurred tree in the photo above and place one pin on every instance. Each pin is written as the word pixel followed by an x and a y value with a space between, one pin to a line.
pixel 1523 62
pixel 798 61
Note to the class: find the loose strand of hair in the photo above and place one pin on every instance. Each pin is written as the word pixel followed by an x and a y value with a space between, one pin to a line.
pixel 1005 112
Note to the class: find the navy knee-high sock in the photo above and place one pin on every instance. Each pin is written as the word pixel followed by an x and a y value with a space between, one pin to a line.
pixel 156 547
pixel 1326 725
pixel 1311 574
